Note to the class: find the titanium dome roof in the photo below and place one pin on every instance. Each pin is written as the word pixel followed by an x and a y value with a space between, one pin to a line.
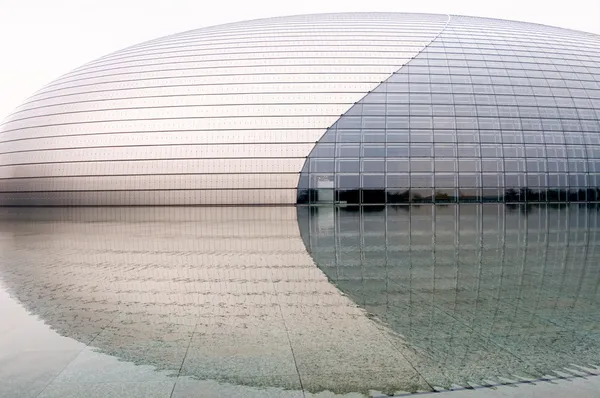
pixel 263 111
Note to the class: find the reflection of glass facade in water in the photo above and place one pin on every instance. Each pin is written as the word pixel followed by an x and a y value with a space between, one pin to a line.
pixel 477 289
pixel 488 111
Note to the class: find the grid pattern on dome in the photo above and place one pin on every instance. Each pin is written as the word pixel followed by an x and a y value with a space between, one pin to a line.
pixel 489 111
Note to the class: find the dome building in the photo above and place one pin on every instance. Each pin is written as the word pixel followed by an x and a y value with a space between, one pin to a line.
pixel 347 108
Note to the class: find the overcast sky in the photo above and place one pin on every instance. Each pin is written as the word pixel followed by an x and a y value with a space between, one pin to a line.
pixel 44 39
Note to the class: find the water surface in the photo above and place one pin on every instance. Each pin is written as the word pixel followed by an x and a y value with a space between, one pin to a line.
pixel 329 298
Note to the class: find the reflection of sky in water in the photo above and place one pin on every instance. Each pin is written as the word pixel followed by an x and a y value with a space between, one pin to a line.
pixel 419 296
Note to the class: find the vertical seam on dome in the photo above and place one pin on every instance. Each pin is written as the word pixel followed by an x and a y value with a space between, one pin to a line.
pixel 306 162
pixel 426 46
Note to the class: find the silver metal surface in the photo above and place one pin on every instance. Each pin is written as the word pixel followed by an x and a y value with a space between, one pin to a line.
pixel 236 107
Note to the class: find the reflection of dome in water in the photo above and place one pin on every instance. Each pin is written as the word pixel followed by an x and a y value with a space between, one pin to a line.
pixel 456 294
pixel 370 108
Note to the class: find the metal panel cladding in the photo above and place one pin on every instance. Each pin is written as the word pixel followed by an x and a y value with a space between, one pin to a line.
pixel 221 115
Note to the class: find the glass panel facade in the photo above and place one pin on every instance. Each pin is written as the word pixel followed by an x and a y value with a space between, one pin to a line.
pixel 489 111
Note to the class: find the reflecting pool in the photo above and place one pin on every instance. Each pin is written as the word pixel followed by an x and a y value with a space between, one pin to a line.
pixel 479 291
pixel 345 299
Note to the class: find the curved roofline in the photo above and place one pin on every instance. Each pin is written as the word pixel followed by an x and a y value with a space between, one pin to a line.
pixel 377 12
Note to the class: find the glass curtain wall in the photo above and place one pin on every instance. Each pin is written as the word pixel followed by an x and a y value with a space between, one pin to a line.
pixel 490 111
